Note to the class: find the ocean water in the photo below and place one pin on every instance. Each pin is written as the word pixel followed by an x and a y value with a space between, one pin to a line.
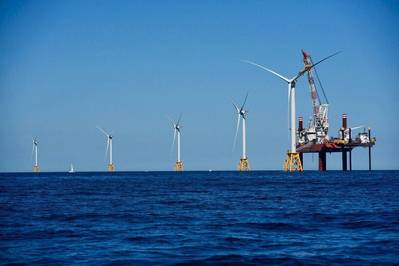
pixel 200 218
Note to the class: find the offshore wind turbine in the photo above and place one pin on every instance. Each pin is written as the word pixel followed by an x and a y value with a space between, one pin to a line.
pixel 177 132
pixel 35 143
pixel 292 162
pixel 242 115
pixel 109 136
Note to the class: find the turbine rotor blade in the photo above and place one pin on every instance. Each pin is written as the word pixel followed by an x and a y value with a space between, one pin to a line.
pixel 269 70
pixel 103 131
pixel 170 119
pixel 238 126
pixel 106 151
pixel 178 120
pixel 174 139
pixel 303 71
pixel 354 128
pixel 33 147
pixel 288 106
pixel 334 54
pixel 242 106
pixel 238 109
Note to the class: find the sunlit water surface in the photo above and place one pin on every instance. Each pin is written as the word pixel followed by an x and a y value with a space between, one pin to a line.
pixel 200 218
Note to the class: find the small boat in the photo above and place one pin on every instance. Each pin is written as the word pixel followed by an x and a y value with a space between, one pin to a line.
pixel 71 169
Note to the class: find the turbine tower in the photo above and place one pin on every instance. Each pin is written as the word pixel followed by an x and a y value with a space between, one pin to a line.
pixel 176 131
pixel 242 114
pixel 110 166
pixel 35 143
pixel 292 162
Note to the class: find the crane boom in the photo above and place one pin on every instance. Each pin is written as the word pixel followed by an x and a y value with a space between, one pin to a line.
pixel 313 91
pixel 317 130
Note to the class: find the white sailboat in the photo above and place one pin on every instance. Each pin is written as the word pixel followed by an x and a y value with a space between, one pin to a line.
pixel 71 170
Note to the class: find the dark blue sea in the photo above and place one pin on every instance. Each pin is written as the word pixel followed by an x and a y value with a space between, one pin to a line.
pixel 200 218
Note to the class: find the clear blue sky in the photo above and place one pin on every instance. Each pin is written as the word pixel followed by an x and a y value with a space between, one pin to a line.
pixel 67 66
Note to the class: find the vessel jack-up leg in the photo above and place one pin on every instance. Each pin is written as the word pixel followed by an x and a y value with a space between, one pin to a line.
pixel 322 161
pixel 370 144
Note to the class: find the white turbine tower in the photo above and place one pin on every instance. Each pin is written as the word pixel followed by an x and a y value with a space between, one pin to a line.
pixel 110 166
pixel 293 162
pixel 242 114
pixel 176 131
pixel 35 143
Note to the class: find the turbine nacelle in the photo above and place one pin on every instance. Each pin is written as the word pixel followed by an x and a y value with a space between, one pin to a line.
pixel 177 127
pixel 243 113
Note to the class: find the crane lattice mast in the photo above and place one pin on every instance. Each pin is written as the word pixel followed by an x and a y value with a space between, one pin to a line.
pixel 317 130
pixel 313 91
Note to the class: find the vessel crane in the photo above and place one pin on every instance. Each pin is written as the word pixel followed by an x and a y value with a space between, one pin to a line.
pixel 317 130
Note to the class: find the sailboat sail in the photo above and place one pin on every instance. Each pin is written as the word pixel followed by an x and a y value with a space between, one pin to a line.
pixel 71 169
